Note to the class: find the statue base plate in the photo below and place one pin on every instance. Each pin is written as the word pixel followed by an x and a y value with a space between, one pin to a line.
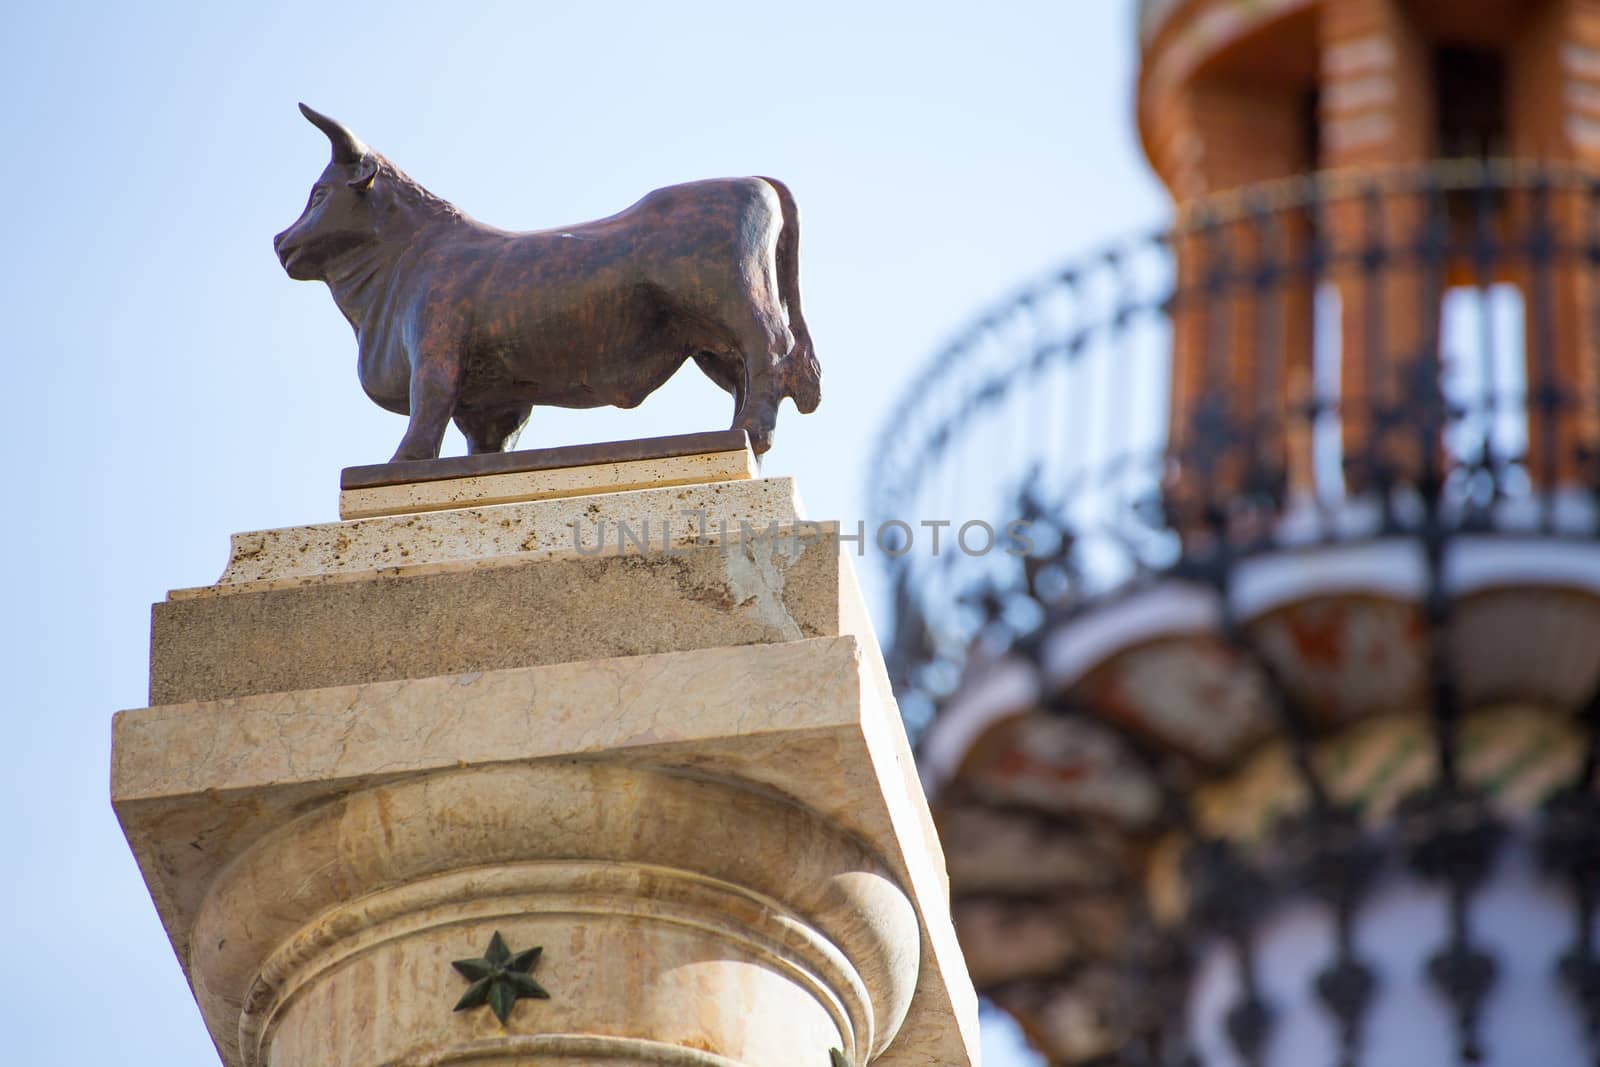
pixel 545 473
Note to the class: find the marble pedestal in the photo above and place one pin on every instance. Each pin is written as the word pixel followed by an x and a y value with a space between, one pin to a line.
pixel 677 769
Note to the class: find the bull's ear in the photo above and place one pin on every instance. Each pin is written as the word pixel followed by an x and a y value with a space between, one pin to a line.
pixel 366 173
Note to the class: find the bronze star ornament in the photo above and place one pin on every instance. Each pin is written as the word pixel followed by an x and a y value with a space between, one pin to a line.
pixel 499 979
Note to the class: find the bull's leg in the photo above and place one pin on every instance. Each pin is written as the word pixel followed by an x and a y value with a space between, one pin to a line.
pixel 764 342
pixel 728 373
pixel 435 386
pixel 492 429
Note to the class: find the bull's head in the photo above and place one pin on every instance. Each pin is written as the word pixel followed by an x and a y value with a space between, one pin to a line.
pixel 339 213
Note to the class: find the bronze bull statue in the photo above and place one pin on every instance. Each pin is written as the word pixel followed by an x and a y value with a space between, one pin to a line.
pixel 455 319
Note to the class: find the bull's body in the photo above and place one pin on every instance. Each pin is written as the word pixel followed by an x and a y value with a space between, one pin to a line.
pixel 457 319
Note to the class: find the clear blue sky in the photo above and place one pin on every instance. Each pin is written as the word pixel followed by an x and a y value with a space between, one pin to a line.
pixel 173 386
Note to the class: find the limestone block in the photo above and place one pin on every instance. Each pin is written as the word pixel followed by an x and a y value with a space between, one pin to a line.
pixel 657 520
pixel 267 636
pixel 723 852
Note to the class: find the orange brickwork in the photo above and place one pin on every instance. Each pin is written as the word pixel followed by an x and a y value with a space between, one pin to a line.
pixel 1230 341
pixel 1377 114
pixel 1555 115
pixel 1234 94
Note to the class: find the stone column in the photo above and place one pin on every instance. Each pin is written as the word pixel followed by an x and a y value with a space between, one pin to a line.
pixel 390 757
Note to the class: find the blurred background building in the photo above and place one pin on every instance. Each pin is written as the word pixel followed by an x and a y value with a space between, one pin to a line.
pixel 1280 745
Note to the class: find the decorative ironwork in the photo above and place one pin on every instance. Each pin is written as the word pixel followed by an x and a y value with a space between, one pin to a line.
pixel 1228 897
pixel 499 978
pixel 1325 853
pixel 1156 965
pixel 1569 849
pixel 1057 398
pixel 1275 372
pixel 1451 837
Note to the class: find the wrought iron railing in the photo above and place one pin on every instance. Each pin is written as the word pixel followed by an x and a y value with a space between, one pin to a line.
pixel 1343 356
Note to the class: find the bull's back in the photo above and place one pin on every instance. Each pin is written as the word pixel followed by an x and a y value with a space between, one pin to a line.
pixel 572 315
pixel 705 227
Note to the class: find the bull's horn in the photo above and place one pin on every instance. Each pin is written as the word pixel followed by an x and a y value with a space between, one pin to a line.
pixel 347 147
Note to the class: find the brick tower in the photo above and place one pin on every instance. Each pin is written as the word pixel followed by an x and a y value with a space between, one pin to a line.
pixel 1280 744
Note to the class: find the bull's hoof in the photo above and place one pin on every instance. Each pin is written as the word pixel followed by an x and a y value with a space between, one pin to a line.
pixel 760 440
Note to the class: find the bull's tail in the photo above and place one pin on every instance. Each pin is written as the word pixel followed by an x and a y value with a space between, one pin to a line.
pixel 802 376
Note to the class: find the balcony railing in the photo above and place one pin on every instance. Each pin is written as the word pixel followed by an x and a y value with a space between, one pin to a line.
pixel 1341 357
